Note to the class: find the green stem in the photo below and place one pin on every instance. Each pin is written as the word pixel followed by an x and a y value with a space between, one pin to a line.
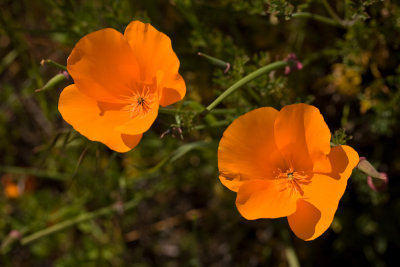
pixel 224 111
pixel 171 111
pixel 317 18
pixel 217 124
pixel 332 12
pixel 289 250
pixel 35 172
pixel 243 81
pixel 216 61
pixel 81 218
pixel 56 80
pixel 53 63
pixel 291 256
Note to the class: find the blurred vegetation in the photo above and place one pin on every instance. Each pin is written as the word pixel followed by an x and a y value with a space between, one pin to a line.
pixel 66 201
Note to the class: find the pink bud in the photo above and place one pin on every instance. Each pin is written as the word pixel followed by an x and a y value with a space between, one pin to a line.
pixel 381 187
pixel 295 64
pixel 287 70
pixel 366 167
pixel 15 234
pixel 66 74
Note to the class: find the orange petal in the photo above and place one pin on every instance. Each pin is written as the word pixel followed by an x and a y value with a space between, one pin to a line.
pixel 103 66
pixel 247 149
pixel 302 136
pixel 174 89
pixel 265 199
pixel 304 220
pixel 154 52
pixel 140 123
pixel 323 194
pixel 96 121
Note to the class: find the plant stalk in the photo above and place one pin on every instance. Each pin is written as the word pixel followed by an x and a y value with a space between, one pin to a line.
pixel 317 18
pixel 331 12
pixel 244 81
pixel 115 208
pixel 53 63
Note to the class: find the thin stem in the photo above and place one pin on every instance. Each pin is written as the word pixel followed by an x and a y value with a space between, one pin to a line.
pixel 53 63
pixel 317 18
pixel 115 208
pixel 332 12
pixel 57 79
pixel 346 10
pixel 218 62
pixel 80 160
pixel 243 81
pixel 35 172
pixel 223 111
pixel 289 250
pixel 217 124
pixel 171 111
pixel 291 256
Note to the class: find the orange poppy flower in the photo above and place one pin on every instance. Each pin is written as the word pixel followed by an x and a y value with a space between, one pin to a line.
pixel 281 164
pixel 119 82
pixel 11 189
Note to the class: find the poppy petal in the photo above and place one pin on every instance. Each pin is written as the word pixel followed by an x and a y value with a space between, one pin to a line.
pixel 96 121
pixel 103 66
pixel 303 222
pixel 157 59
pixel 301 129
pixel 265 199
pixel 174 89
pixel 247 149
pixel 323 194
pixel 140 123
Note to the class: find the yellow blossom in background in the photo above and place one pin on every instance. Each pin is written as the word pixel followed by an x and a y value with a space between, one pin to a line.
pixel 346 80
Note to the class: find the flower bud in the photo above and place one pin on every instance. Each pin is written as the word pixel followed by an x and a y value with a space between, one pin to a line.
pixel 371 172
pixel 367 168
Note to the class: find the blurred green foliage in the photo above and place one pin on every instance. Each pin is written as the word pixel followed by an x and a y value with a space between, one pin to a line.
pixel 351 73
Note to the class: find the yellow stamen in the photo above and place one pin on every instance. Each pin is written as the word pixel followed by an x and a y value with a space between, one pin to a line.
pixel 141 100
pixel 293 180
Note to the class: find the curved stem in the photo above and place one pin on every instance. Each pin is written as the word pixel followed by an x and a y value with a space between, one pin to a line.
pixel 81 218
pixel 317 18
pixel 57 79
pixel 216 124
pixel 53 63
pixel 65 224
pixel 36 172
pixel 243 81
pixel 216 61
pixel 171 111
pixel 332 12
pixel 118 207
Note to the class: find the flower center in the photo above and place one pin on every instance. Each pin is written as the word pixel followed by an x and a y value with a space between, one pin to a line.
pixel 142 105
pixel 293 180
pixel 142 99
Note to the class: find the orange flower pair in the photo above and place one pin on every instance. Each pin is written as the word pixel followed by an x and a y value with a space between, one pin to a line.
pixel 119 82
pixel 281 164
